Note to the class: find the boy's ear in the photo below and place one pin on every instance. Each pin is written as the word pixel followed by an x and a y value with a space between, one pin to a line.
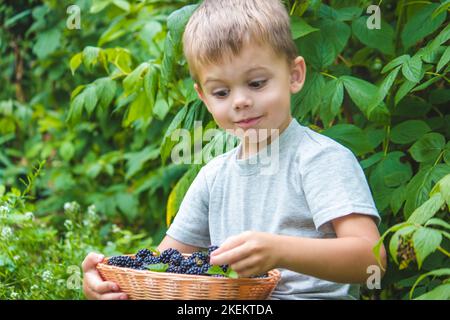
pixel 199 91
pixel 201 95
pixel 298 74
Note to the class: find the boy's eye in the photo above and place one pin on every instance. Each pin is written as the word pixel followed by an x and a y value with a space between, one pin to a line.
pixel 258 84
pixel 220 94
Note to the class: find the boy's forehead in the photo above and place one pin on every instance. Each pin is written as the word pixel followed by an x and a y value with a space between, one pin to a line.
pixel 216 76
pixel 252 59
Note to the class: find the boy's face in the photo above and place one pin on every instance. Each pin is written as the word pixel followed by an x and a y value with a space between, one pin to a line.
pixel 252 90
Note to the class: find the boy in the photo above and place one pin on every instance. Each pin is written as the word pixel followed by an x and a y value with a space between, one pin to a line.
pixel 314 217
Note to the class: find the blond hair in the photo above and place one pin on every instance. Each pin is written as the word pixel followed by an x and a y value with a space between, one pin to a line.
pixel 219 29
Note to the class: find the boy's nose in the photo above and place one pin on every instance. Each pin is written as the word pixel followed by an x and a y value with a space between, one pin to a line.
pixel 241 101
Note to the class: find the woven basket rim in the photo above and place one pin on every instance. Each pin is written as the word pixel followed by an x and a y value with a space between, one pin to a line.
pixel 273 275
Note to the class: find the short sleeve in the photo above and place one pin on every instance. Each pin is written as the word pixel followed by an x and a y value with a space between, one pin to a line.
pixel 190 225
pixel 335 185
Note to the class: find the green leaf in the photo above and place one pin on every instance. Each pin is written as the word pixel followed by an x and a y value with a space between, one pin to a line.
pixel 99 5
pixel 441 292
pixel 128 204
pixel 373 159
pixel 421 25
pixel 75 62
pixel 443 187
pixel 350 136
pixel 384 88
pixel 403 90
pixel 445 58
pixel 157 267
pixel 137 160
pixel 362 93
pixel 428 148
pixel 90 99
pixel 425 241
pixel 395 63
pixel 90 56
pixel 161 107
pixel 47 42
pixel 409 131
pixel 437 222
pixel 340 14
pixel 331 101
pixel 306 100
pixel 300 27
pixel 438 273
pixel 122 4
pixel 177 21
pixel 106 90
pixel 67 150
pixel 134 80
pixel 76 108
pixel 419 187
pixel 138 109
pixel 394 242
pixel 393 170
pixel 217 270
pixel 380 39
pixel 167 143
pixel 177 194
pixel 320 48
pixel 377 247
pixel 397 199
pixel 412 69
pixel 151 84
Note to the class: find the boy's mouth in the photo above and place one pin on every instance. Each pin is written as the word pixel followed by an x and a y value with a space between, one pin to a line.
pixel 248 122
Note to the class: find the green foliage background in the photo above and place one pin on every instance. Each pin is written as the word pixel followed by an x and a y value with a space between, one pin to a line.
pixel 94 108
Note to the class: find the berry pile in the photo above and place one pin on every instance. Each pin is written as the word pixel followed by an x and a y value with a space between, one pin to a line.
pixel 196 264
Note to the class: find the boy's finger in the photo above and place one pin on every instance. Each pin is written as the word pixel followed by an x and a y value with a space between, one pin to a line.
pixel 91 261
pixel 113 296
pixel 229 244
pixel 229 256
pixel 96 284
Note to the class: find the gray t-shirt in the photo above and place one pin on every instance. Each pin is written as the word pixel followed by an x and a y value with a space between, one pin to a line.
pixel 316 180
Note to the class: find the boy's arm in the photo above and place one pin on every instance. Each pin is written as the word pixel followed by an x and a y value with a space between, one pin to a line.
pixel 343 259
pixel 169 242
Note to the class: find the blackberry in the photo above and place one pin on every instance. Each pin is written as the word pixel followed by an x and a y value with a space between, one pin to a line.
pixel 143 254
pixel 205 268
pixel 199 258
pixel 194 270
pixel 167 254
pixel 151 260
pixel 122 261
pixel 211 249
pixel 174 269
pixel 186 264
pixel 176 259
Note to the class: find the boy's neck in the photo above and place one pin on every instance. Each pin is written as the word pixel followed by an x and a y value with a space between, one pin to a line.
pixel 249 149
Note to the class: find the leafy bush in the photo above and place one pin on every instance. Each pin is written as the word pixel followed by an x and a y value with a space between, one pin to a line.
pixel 381 92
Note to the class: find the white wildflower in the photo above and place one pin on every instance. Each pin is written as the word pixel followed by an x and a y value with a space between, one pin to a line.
pixel 29 215
pixel 68 224
pixel 4 210
pixel 115 228
pixel 47 275
pixel 14 295
pixel 7 233
pixel 71 206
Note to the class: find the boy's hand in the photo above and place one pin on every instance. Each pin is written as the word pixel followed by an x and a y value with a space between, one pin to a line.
pixel 93 285
pixel 249 253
